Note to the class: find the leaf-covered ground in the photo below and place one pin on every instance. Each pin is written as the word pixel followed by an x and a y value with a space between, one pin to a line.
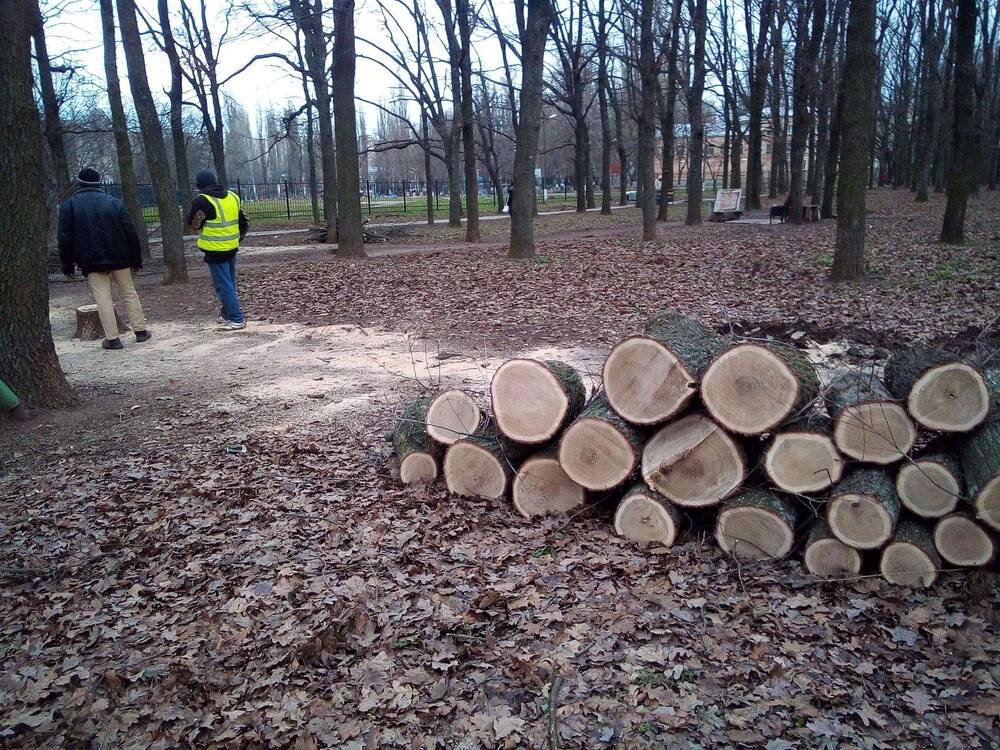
pixel 161 591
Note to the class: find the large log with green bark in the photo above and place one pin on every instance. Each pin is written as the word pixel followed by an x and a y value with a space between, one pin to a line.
pixel 930 485
pixel 644 515
pixel 541 487
pixel 600 450
pixel 532 400
pixel 649 377
pixel 802 457
pixel 962 541
pixel 481 465
pixel 753 387
pixel 693 462
pixel 452 415
pixel 756 525
pixel 863 508
pixel 417 453
pixel 981 462
pixel 869 426
pixel 825 556
pixel 910 559
pixel 941 392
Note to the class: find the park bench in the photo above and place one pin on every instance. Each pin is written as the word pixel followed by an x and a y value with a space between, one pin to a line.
pixel 810 212
pixel 727 205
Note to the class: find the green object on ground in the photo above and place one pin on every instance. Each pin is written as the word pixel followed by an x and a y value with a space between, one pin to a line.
pixel 8 400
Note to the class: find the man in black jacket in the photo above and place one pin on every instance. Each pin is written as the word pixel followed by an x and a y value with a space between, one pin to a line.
pixel 96 233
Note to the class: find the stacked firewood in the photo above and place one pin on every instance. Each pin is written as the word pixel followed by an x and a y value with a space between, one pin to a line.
pixel 690 428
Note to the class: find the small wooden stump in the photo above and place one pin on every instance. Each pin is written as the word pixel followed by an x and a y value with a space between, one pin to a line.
pixel 88 323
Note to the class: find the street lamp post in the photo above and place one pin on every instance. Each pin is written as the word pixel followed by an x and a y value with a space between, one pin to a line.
pixel 545 154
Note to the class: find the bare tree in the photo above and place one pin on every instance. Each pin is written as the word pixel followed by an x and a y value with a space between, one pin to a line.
pixel 696 121
pixel 668 107
pixel 464 14
pixel 50 103
pixel 807 47
pixel 647 121
pixel 176 96
pixel 960 175
pixel 350 243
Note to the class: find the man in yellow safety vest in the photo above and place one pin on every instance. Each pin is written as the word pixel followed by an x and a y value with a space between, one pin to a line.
pixel 216 214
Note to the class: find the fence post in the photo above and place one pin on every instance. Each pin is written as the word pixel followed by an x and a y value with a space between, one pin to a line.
pixel 288 202
pixel 239 190
pixel 368 194
pixel 437 199
pixel 565 193
pixel 404 196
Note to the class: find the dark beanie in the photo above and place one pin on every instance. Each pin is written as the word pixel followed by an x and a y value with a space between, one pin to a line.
pixel 89 176
pixel 205 177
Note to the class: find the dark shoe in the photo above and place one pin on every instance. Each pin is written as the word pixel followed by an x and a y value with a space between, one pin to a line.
pixel 112 344
pixel 141 336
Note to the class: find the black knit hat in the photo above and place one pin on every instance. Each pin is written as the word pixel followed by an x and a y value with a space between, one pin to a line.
pixel 205 178
pixel 89 177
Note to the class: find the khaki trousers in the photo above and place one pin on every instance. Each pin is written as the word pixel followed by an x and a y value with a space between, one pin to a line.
pixel 100 286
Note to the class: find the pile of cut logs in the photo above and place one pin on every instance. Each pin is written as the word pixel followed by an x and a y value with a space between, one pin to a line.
pixel 690 428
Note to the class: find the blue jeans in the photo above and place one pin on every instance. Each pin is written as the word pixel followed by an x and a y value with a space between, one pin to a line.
pixel 224 281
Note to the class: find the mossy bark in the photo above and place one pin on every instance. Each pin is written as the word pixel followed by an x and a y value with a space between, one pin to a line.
pixel 693 343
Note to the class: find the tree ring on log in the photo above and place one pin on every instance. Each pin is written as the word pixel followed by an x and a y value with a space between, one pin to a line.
pixel 860 520
pixel 987 503
pixel 962 541
pixel 645 381
pixel 803 461
pixel 693 462
pixel 541 486
pixel 596 455
pixel 472 471
pixel 452 415
pixel 928 488
pixel 953 397
pixel 878 432
pixel 417 468
pixel 531 402
pixel 643 516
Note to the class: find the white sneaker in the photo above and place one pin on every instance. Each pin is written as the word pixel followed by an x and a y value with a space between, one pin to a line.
pixel 231 326
pixel 220 320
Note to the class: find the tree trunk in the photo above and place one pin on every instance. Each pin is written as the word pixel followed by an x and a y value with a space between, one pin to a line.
pixel 668 110
pixel 858 113
pixel 428 174
pixel 50 105
pixel 311 151
pixel 536 28
pixel 757 75
pixel 963 158
pixel 417 453
pixel 123 144
pixel 88 324
pixel 930 486
pixel 863 509
pixel 756 525
pixel 962 541
pixel 542 487
pixel 350 242
pixel 643 515
pixel 468 124
pixel 941 392
pixel 825 556
pixel 600 450
pixel 171 230
pixel 603 84
pixel 802 458
pixel 696 122
pixel 869 425
pixel 452 415
pixel 981 462
pixel 832 159
pixel 647 122
pixel 910 559
pixel 176 97
pixel 557 396
pixel 806 58
pixel 29 365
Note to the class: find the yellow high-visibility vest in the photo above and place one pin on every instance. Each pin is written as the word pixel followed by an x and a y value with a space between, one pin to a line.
pixel 223 232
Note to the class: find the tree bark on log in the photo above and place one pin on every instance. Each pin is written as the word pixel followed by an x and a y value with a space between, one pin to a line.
pixel 962 541
pixel 643 515
pixel 981 462
pixel 417 453
pixel 752 388
pixel 863 509
pixel 941 392
pixel 88 323
pixel 600 450
pixel 452 415
pixel 648 378
pixel 825 556
pixel 532 399
pixel 541 486
pixel 868 425
pixel 693 462
pixel 910 558
pixel 481 465
pixel 802 458
pixel 756 525
pixel 930 486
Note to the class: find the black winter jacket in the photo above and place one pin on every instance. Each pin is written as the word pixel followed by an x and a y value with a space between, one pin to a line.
pixel 96 233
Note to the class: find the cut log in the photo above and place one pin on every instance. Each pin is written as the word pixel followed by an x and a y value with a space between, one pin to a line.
pixel 600 450
pixel 452 415
pixel 752 388
pixel 649 377
pixel 962 541
pixel 693 462
pixel 941 392
pixel 930 486
pixel 417 453
pixel 88 323
pixel 993 381
pixel 981 462
pixel 541 486
pixel 646 516
pixel 863 509
pixel 532 400
pixel 756 525
pixel 868 425
pixel 910 558
pixel 802 458
pixel 481 465
pixel 826 556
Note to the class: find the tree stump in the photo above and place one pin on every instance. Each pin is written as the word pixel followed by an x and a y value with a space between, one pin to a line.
pixel 541 487
pixel 825 556
pixel 643 515
pixel 88 323
pixel 910 559
pixel 756 525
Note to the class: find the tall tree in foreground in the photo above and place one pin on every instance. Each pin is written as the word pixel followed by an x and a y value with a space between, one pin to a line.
pixel 668 106
pixel 533 28
pixel 468 122
pixel 28 362
pixel 858 113
pixel 647 121
pixel 350 243
pixel 962 170
pixel 176 97
pixel 696 122
pixel 807 47
pixel 123 144
pixel 171 230
pixel 603 86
